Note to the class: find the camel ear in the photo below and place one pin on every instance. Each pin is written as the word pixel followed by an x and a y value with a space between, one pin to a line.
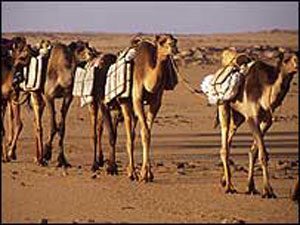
pixel 73 45
pixel 157 37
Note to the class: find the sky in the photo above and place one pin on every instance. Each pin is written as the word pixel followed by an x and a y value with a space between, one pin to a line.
pixel 148 17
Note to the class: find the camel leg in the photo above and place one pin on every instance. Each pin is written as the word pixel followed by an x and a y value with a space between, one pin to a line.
pixel 62 161
pixel 38 108
pixel 295 191
pixel 10 123
pixel 253 154
pixel 224 117
pixel 100 134
pixel 93 109
pixel 262 155
pixel 112 167
pixel 3 110
pixel 129 127
pixel 145 136
pixel 16 130
pixel 50 103
pixel 236 119
pixel 154 107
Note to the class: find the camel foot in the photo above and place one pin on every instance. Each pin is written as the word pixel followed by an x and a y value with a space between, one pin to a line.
pixel 112 169
pixel 62 161
pixel 41 162
pixel 230 190
pixel 146 175
pixel 223 181
pixel 12 153
pixel 268 193
pixel 95 166
pixel 251 188
pixel 5 159
pixel 101 161
pixel 253 191
pixel 131 174
pixel 48 152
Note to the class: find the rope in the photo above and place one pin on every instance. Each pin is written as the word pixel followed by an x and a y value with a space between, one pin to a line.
pixel 22 101
pixel 186 82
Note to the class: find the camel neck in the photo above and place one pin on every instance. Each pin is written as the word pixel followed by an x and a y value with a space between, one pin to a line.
pixel 280 88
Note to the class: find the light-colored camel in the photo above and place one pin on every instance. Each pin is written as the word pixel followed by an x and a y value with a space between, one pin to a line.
pixel 149 81
pixel 263 90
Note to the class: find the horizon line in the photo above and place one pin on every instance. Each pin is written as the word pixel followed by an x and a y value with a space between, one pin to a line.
pixel 150 33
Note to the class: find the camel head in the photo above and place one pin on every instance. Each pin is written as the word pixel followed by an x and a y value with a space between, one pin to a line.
pixel 21 53
pixel 232 56
pixel 82 51
pixel 44 47
pixel 290 64
pixel 166 45
pixel 227 56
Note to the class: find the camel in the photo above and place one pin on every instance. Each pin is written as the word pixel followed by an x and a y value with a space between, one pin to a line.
pixel 149 82
pixel 13 59
pixel 100 114
pixel 264 88
pixel 38 106
pixel 21 54
pixel 58 84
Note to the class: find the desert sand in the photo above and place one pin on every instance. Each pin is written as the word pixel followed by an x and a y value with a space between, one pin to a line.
pixel 184 153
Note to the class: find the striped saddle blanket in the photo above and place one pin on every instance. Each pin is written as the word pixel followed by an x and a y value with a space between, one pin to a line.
pixel 32 74
pixel 119 76
pixel 84 82
pixel 224 85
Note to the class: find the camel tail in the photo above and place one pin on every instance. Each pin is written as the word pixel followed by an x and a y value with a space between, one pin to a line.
pixel 25 99
pixel 28 104
pixel 216 121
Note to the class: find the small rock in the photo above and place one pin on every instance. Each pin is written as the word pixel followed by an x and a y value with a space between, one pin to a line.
pixel 94 176
pixel 240 168
pixel 64 173
pixel 44 221
pixel 294 163
pixel 91 221
pixel 79 167
pixel 23 184
pixel 159 164
pixel 15 172
pixel 191 165
pixel 233 220
pixel 180 165
pixel 181 172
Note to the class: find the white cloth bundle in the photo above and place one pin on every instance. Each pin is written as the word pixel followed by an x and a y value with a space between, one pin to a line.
pixel 218 92
pixel 83 83
pixel 33 74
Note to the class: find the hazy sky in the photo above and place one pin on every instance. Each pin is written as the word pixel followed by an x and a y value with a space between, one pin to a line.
pixel 148 17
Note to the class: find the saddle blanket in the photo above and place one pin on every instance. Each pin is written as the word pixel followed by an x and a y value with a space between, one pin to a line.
pixel 33 74
pixel 119 76
pixel 224 85
pixel 84 81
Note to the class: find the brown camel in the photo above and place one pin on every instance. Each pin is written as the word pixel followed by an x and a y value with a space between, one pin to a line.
pixel 13 59
pixel 38 106
pixel 58 84
pixel 100 114
pixel 149 82
pixel 21 55
pixel 263 90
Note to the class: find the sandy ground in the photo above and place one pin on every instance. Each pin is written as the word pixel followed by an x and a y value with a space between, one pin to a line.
pixel 185 157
